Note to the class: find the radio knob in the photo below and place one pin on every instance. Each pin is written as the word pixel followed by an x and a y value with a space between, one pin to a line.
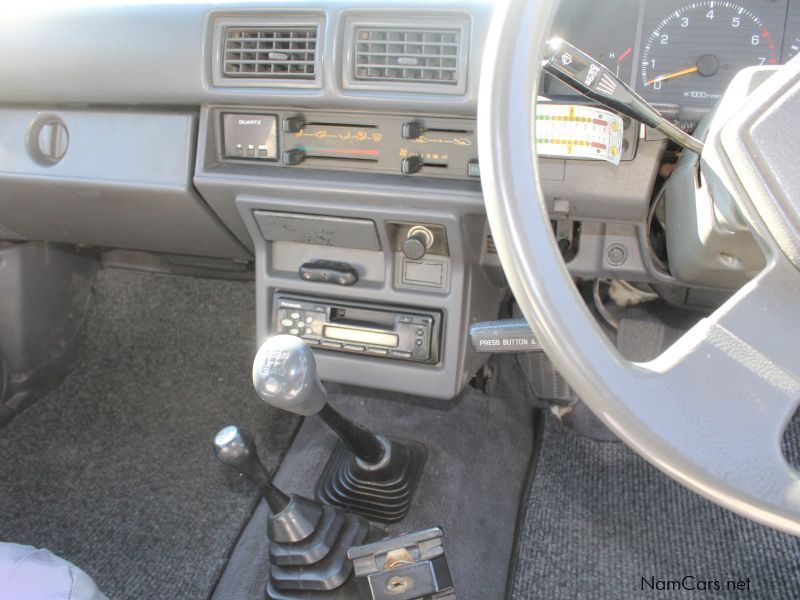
pixel 417 243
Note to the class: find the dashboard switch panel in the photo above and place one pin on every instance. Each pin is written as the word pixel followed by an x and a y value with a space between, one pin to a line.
pixel 439 147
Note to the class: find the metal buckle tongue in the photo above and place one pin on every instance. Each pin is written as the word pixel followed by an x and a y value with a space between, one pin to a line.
pixel 406 567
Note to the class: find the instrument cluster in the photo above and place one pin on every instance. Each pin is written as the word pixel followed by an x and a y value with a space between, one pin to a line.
pixel 679 55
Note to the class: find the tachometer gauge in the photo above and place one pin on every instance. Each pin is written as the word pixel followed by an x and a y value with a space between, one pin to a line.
pixel 692 53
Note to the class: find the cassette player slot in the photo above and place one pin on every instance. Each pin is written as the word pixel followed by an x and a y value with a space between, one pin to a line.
pixel 361 336
pixel 358 317
pixel 370 329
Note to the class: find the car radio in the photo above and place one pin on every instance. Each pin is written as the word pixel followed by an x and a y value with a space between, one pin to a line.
pixel 373 330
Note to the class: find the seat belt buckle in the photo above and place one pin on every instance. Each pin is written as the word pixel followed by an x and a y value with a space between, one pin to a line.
pixel 406 567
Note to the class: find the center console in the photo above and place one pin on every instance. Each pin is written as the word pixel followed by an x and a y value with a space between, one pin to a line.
pixel 369 235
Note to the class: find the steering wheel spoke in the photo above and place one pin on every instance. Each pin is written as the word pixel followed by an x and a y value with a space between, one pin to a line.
pixel 735 383
pixel 711 411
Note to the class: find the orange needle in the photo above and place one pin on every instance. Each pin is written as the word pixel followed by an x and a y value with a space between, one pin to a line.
pixel 673 75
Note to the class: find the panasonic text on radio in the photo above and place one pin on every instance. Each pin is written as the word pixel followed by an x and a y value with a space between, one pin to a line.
pixel 249 121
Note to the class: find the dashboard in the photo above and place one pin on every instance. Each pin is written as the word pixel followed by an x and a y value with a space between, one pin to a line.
pixel 678 54
pixel 332 145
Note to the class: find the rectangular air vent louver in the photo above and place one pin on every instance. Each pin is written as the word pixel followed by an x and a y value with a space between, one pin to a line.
pixel 402 55
pixel 281 53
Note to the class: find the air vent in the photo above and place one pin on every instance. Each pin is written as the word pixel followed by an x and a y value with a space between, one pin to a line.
pixel 395 53
pixel 413 56
pixel 268 50
pixel 282 53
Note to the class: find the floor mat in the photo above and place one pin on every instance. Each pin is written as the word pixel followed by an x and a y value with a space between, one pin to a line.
pixel 113 470
pixel 600 519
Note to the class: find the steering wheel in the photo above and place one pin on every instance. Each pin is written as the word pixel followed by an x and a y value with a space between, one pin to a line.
pixel 711 410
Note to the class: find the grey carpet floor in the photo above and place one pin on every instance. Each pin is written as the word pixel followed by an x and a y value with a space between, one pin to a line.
pixel 113 469
pixel 600 518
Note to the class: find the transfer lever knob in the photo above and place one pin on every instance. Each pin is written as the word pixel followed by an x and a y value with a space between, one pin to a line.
pixel 235 447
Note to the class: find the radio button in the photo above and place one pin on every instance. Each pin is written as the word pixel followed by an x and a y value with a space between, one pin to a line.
pixel 329 344
pixel 294 331
pixel 309 320
pixel 401 354
pixel 354 347
pixel 287 322
pixel 312 341
pixel 378 351
pixel 295 315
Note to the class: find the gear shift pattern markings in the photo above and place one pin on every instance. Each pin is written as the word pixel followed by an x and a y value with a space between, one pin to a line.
pixel 285 376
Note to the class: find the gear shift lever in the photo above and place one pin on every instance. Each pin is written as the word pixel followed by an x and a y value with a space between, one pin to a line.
pixel 308 541
pixel 285 376
pixel 374 477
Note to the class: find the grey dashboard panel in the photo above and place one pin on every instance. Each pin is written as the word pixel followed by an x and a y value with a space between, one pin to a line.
pixel 125 181
pixel 156 54
pixel 599 190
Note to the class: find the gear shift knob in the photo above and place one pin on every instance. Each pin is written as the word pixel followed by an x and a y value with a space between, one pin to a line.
pixel 285 376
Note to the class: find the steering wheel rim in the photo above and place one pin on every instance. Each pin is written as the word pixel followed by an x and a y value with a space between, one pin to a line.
pixel 711 411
